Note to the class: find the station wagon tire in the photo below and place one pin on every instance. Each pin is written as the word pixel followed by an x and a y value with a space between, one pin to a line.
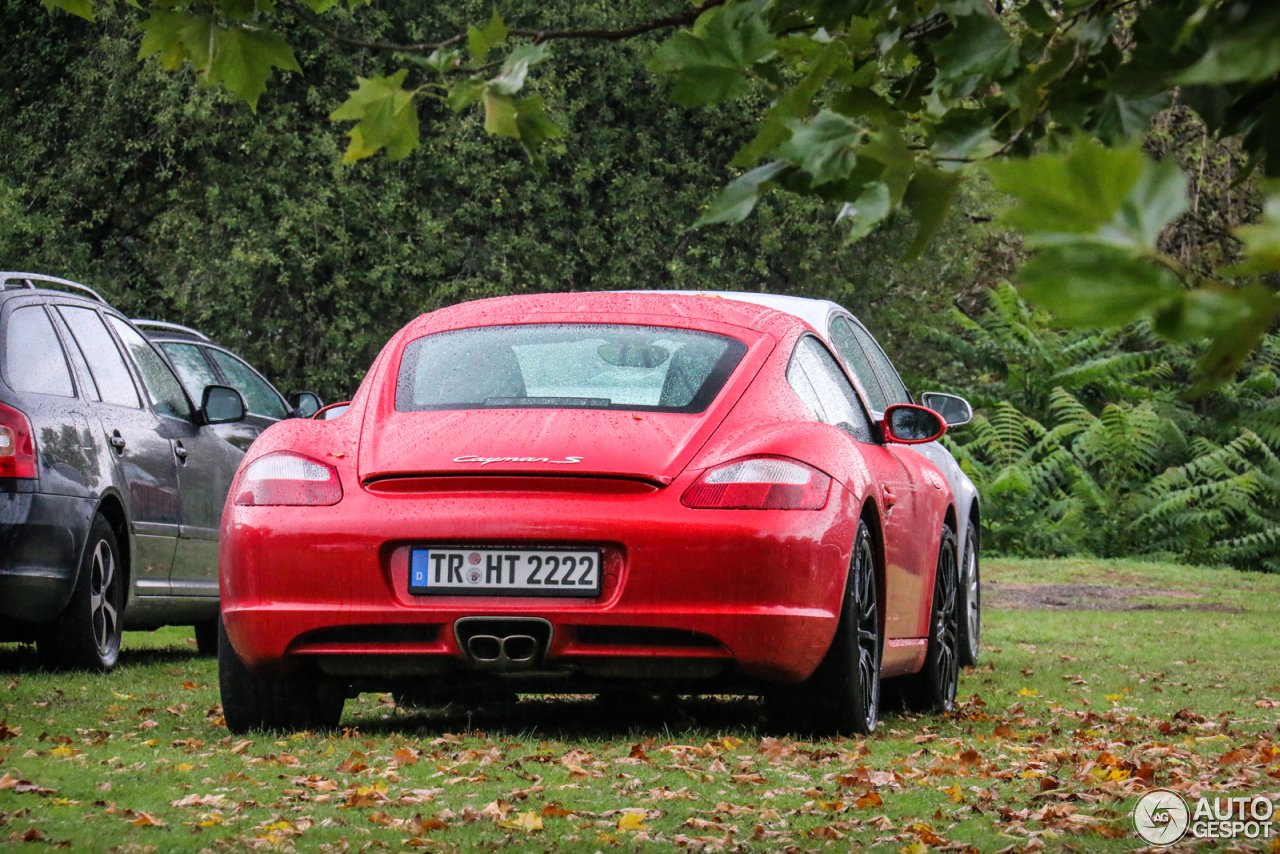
pixel 87 634
pixel 970 599
pixel 289 703
pixel 207 638
pixel 843 694
pixel 933 689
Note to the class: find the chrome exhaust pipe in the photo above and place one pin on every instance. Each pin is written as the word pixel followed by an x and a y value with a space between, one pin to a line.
pixel 503 644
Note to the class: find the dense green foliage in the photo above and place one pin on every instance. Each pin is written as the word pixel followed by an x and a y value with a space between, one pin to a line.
pixel 1084 443
pixel 875 105
pixel 245 226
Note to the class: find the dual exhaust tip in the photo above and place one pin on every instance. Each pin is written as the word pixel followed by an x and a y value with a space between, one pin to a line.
pixel 503 643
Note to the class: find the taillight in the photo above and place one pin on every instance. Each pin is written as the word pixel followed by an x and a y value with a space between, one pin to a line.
pixel 760 483
pixel 17 447
pixel 289 479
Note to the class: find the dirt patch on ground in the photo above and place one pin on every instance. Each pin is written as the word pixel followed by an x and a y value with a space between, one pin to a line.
pixel 1094 597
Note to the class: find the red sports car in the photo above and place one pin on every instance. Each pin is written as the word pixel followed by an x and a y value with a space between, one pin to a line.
pixel 582 492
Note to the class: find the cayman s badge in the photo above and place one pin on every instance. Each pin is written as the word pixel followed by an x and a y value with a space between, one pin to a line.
pixel 484 461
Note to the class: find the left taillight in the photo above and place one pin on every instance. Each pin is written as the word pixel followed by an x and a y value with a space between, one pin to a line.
pixel 759 483
pixel 288 479
pixel 17 447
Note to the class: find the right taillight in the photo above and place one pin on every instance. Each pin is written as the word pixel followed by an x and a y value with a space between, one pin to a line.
pixel 759 483
pixel 17 447
pixel 288 479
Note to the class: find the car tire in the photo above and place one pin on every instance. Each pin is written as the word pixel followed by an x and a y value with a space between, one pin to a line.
pixel 970 599
pixel 206 638
pixel 290 703
pixel 933 689
pixel 843 694
pixel 87 634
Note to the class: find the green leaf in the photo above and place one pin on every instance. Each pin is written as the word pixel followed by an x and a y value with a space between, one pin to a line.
pixel 979 44
pixel 516 67
pixel 1247 48
pixel 739 197
pixel 464 93
pixel 481 41
pixel 522 119
pixel 792 105
pixel 1119 118
pixel 710 61
pixel 79 8
pixel 244 58
pixel 165 35
pixel 826 147
pixel 442 60
pixel 1158 198
pixel 386 114
pixel 867 211
pixel 929 197
pixel 1073 192
pixel 1097 285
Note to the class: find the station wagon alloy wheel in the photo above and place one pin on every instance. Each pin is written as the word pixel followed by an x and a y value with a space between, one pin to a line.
pixel 87 635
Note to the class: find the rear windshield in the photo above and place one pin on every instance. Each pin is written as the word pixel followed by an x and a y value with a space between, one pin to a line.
pixel 566 366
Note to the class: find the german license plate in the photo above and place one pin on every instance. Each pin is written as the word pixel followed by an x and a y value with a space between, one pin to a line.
pixel 497 572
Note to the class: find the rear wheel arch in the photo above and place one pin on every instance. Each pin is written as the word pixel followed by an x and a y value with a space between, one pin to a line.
pixel 112 509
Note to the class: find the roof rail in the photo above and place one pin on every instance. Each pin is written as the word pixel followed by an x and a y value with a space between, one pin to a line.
pixel 35 280
pixel 176 327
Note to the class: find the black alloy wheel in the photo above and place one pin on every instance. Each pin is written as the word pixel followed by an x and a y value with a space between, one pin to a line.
pixel 843 694
pixel 87 634
pixel 933 689
pixel 970 599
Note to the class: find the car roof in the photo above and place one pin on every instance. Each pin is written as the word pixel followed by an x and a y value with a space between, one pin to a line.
pixel 159 330
pixel 667 304
pixel 29 284
pixel 812 311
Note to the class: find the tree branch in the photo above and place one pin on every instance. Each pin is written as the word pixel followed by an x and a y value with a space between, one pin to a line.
pixel 538 36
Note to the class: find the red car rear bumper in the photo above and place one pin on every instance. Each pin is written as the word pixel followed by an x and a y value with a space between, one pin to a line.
pixel 761 589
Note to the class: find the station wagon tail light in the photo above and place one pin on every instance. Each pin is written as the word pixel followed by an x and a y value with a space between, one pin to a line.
pixel 288 479
pixel 17 447
pixel 760 483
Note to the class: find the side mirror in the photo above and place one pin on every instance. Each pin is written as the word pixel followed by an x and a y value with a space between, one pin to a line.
pixel 955 410
pixel 221 404
pixel 305 404
pixel 332 411
pixel 908 424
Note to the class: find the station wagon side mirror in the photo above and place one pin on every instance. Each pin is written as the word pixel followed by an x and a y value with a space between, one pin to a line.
pixel 221 404
pixel 908 424
pixel 305 404
pixel 955 410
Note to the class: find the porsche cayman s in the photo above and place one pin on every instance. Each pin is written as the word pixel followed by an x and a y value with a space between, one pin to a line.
pixel 575 493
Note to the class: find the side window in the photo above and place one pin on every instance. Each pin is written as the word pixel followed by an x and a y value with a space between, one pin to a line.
pixel 193 370
pixel 893 387
pixel 258 395
pixel 839 400
pixel 851 353
pixel 33 357
pixel 115 385
pixel 88 388
pixel 163 387
pixel 799 381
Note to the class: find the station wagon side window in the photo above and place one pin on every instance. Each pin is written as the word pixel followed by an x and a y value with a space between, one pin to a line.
pixel 839 400
pixel 258 395
pixel 34 360
pixel 115 385
pixel 193 369
pixel 165 391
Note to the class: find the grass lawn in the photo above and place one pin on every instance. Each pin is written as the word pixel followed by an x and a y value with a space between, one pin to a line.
pixel 1099 679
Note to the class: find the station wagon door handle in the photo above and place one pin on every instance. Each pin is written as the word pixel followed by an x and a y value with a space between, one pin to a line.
pixel 117 441
pixel 180 452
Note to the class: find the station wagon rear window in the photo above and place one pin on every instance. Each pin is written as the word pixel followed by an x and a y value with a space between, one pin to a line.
pixel 567 366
